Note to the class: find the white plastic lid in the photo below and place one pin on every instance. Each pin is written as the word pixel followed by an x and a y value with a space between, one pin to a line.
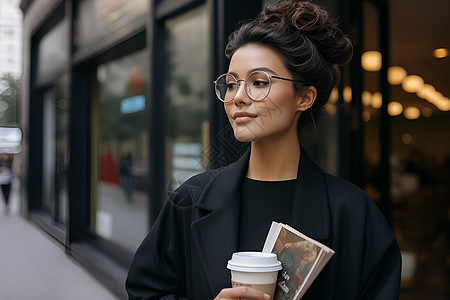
pixel 254 262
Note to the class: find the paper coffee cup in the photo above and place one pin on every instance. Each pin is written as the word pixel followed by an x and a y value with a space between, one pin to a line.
pixel 258 270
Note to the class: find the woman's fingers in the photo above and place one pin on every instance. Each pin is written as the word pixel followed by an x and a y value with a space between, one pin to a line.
pixel 241 293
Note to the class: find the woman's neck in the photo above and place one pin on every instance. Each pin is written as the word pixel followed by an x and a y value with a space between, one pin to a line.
pixel 274 160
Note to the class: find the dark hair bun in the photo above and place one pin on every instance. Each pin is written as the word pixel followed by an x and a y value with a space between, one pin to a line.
pixel 309 42
pixel 313 22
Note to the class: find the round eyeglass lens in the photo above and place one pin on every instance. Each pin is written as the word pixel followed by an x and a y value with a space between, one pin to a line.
pixel 226 87
pixel 258 85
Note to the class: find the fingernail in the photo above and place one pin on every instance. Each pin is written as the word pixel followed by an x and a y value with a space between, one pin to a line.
pixel 267 296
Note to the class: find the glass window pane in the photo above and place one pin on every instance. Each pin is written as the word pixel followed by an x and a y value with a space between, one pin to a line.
pixel 187 94
pixel 55 151
pixel 62 159
pixel 420 160
pixel 98 18
pixel 48 153
pixel 53 51
pixel 119 197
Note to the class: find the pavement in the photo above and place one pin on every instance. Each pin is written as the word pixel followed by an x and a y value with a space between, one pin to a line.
pixel 34 266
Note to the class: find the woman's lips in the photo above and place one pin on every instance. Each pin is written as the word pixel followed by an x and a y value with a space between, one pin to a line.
pixel 241 117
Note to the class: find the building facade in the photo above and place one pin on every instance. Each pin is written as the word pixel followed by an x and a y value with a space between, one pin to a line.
pixel 118 109
pixel 10 75
pixel 10 38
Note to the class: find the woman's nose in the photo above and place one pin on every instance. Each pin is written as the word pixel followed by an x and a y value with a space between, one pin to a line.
pixel 241 96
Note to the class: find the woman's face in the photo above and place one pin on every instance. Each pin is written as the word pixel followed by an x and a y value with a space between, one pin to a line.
pixel 274 116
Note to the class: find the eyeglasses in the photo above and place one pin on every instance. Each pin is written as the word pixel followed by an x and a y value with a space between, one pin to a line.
pixel 257 85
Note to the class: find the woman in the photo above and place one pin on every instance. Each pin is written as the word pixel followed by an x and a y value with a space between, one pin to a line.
pixel 283 66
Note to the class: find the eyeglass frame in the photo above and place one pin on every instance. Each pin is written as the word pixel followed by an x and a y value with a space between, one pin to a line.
pixel 246 86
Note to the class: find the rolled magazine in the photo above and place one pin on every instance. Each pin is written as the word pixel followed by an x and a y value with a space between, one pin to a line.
pixel 302 258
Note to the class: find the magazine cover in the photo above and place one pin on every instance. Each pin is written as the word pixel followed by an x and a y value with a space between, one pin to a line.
pixel 302 260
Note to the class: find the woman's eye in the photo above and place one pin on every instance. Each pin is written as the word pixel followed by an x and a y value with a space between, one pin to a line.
pixel 231 85
pixel 260 83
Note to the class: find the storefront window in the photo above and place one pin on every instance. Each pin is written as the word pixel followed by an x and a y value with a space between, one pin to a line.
pixel 418 109
pixel 53 51
pixel 119 196
pixel 55 151
pixel 98 18
pixel 187 95
pixel 420 160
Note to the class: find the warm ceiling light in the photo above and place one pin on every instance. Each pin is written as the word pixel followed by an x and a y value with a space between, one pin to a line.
pixel 334 95
pixel 411 113
pixel 331 108
pixel 427 111
pixel 394 108
pixel 366 116
pixel 437 99
pixel 366 98
pixel 443 103
pixel 348 94
pixel 377 100
pixel 62 103
pixel 426 92
pixel 446 104
pixel 429 93
pixel 412 83
pixel 407 138
pixel 440 52
pixel 396 74
pixel 371 61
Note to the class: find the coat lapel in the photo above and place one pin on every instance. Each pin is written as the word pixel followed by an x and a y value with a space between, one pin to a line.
pixel 215 235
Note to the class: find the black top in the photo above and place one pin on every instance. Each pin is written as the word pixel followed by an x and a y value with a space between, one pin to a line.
pixel 261 203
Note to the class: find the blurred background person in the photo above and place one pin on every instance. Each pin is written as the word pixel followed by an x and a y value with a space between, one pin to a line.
pixel 126 176
pixel 6 176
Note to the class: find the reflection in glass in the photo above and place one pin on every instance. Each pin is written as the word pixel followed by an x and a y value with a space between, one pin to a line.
pixel 55 151
pixel 119 150
pixel 53 51
pixel 98 18
pixel 420 148
pixel 186 92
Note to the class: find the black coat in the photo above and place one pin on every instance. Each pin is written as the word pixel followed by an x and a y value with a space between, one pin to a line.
pixel 186 252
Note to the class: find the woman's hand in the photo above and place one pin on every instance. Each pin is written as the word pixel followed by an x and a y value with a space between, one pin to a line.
pixel 241 293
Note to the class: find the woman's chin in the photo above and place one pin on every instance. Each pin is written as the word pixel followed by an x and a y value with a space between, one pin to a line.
pixel 244 138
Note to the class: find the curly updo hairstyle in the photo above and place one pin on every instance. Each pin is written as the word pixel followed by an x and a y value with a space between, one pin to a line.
pixel 310 43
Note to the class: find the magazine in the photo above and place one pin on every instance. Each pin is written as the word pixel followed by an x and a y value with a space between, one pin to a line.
pixel 302 258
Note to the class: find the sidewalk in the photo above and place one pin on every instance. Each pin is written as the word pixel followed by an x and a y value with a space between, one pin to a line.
pixel 34 266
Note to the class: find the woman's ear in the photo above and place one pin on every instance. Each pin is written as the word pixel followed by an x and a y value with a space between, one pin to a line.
pixel 306 98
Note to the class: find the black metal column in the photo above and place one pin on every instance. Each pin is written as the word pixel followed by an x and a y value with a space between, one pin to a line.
pixel 79 149
pixel 385 126
pixel 356 150
pixel 157 126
